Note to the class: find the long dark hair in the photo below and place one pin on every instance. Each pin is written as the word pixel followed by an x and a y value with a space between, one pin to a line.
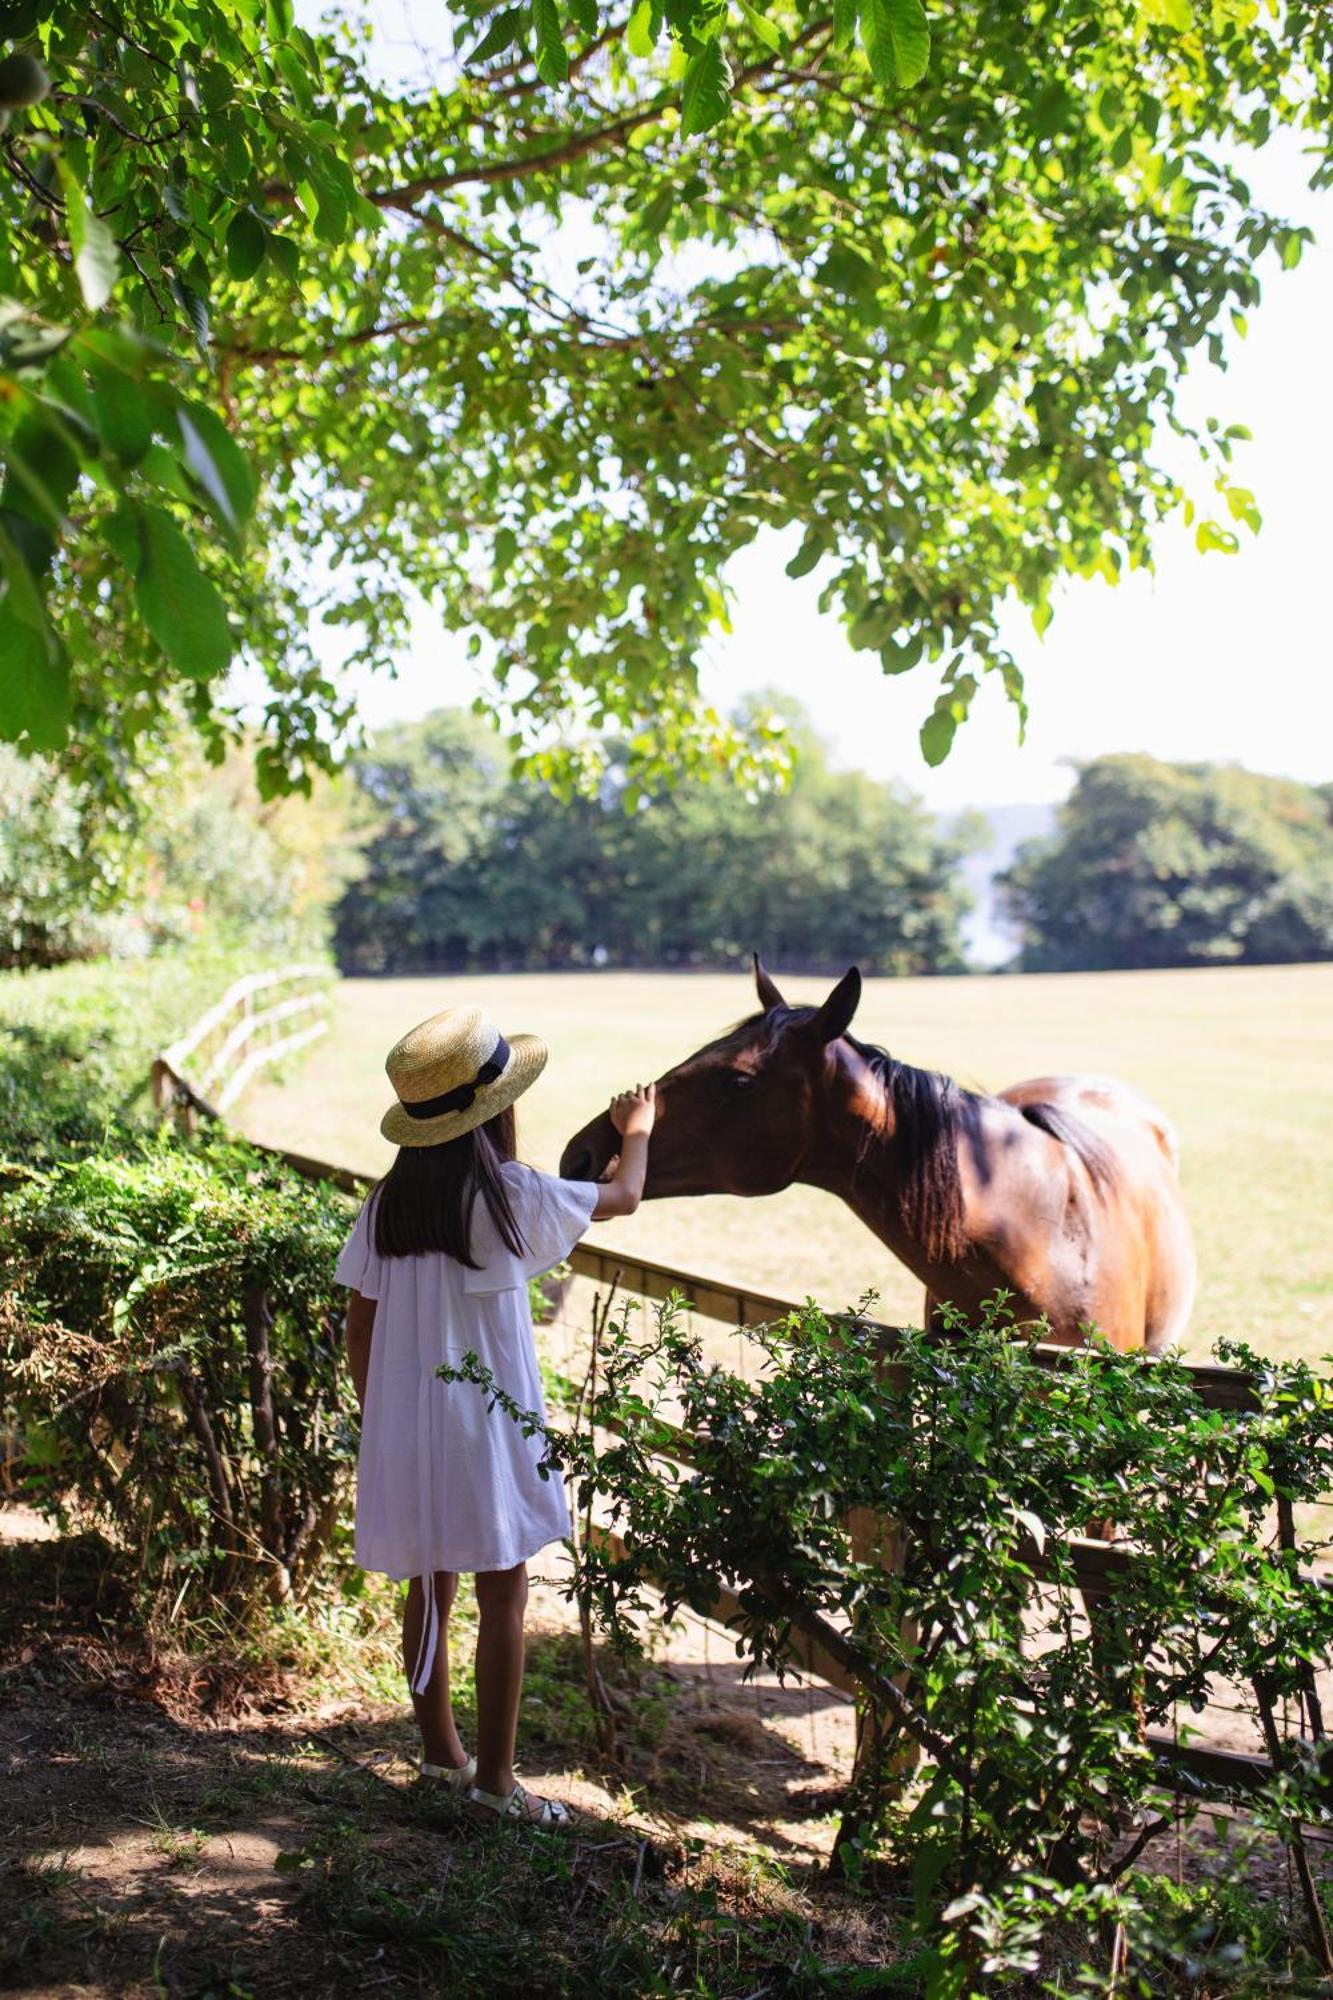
pixel 425 1201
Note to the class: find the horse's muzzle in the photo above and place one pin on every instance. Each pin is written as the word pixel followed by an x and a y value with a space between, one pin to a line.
pixel 589 1152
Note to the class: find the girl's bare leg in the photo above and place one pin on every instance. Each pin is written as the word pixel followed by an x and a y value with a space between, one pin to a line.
pixel 440 1741
pixel 502 1597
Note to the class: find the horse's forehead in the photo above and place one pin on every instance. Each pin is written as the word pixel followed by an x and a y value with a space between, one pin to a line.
pixel 755 1037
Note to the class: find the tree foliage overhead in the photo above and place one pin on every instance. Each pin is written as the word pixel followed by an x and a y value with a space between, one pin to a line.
pixel 465 868
pixel 550 337
pixel 1177 864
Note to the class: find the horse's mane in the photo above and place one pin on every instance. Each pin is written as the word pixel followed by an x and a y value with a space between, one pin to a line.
pixel 931 1113
pixel 934 1115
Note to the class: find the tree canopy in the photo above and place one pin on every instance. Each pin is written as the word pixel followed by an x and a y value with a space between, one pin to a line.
pixel 546 338
pixel 464 867
pixel 1177 864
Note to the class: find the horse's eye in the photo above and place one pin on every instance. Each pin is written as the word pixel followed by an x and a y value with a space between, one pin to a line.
pixel 740 1079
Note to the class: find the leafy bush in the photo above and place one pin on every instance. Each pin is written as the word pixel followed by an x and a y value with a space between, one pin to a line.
pixel 76 1043
pixel 974 1644
pixel 170 1354
pixel 189 855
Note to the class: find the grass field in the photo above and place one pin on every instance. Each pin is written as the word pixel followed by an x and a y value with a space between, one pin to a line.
pixel 1241 1059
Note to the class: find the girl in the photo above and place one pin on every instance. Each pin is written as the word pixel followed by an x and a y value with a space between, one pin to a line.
pixel 438 1263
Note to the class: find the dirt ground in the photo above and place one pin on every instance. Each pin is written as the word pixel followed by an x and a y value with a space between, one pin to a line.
pixel 170 1828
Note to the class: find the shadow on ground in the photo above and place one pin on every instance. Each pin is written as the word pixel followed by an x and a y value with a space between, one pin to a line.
pixel 176 1826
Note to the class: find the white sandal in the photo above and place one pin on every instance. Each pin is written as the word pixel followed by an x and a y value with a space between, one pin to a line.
pixel 518 1806
pixel 457 1776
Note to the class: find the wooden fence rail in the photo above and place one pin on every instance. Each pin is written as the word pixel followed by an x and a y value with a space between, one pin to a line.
pixel 1198 1768
pixel 206 1069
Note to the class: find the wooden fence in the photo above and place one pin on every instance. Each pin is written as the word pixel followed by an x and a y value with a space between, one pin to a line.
pixel 258 1020
pixel 1196 1767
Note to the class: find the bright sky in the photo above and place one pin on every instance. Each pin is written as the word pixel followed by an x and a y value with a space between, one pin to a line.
pixel 1217 657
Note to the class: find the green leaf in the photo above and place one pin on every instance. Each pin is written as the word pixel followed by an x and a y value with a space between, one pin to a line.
pixel 899 656
pixel 502 34
pixel 126 410
pixel 96 258
pixel 1035 1526
pixel 178 604
pixel 705 96
pixel 506 548
pixel 23 592
pixel 937 734
pixel 1290 244
pixel 202 464
pixel 34 684
pixel 643 28
pixel 41 472
pixel 552 55
pixel 120 532
pixel 845 270
pixel 1051 110
pixel 195 309
pixel 896 36
pixel 286 254
pixel 247 240
pixel 768 31
pixel 228 460
pixel 812 548
pixel 298 76
pixel 844 22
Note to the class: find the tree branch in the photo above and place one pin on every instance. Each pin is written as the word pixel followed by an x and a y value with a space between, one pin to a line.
pixel 577 145
pixel 268 357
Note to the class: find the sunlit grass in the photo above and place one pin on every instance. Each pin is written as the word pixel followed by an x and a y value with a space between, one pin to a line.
pixel 1241 1059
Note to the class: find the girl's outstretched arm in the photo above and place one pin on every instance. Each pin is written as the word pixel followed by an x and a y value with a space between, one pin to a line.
pixel 621 1188
pixel 360 1327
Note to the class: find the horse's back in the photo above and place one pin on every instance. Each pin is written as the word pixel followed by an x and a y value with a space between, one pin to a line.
pixel 1098 1098
pixel 1158 1251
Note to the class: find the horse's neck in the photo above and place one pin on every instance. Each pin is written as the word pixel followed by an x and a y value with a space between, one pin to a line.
pixel 867 1168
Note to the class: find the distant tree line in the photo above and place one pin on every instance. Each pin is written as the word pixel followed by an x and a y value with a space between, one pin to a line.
pixel 1156 864
pixel 430 855
pixel 465 867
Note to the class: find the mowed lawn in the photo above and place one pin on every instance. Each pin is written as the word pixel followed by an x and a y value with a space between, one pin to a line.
pixel 1241 1059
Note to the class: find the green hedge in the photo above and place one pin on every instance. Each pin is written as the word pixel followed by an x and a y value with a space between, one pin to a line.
pixel 76 1044
pixel 170 1353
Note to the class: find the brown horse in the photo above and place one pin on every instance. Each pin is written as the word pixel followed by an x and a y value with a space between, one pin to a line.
pixel 1062 1191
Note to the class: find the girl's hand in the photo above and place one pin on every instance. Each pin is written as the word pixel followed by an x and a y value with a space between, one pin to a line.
pixel 635 1111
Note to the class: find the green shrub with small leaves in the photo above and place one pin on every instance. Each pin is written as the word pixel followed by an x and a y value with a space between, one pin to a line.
pixel 170 1357
pixel 964 1628
pixel 77 1041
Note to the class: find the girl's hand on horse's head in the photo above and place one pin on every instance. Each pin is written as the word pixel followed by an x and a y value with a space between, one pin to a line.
pixel 634 1111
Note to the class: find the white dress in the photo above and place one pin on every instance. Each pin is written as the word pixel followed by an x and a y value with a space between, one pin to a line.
pixel 444 1481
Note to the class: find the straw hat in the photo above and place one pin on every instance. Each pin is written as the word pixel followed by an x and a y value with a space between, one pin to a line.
pixel 454 1072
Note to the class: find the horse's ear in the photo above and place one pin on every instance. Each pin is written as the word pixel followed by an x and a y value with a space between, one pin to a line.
pixel 835 1016
pixel 769 997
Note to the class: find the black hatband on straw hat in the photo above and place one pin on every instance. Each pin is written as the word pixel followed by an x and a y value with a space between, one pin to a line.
pixel 462 1096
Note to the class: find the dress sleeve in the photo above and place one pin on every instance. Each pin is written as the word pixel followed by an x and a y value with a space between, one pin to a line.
pixel 551 1215
pixel 359 1263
